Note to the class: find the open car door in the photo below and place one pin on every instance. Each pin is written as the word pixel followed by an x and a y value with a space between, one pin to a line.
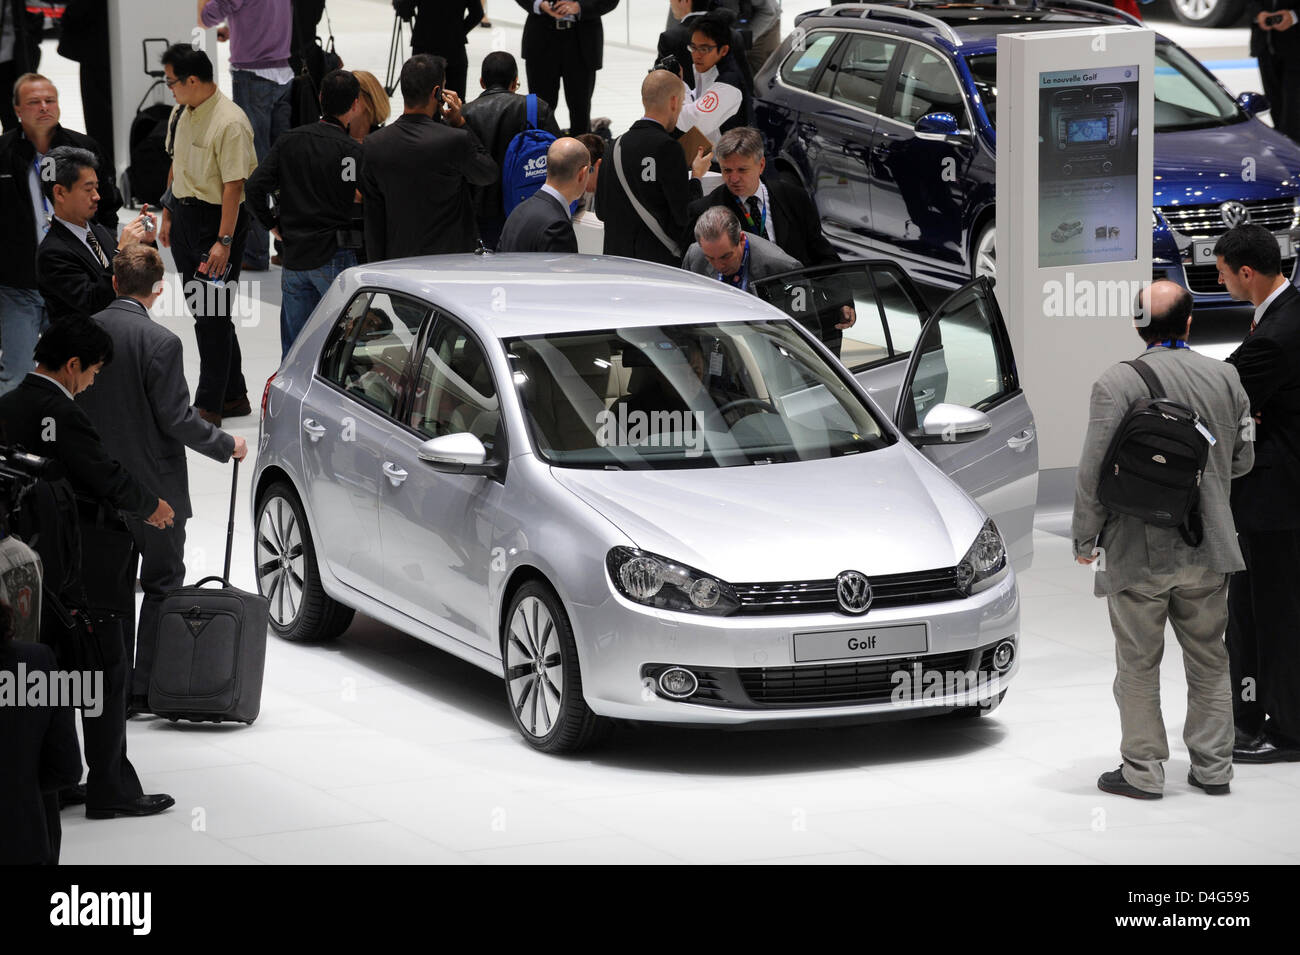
pixel 963 357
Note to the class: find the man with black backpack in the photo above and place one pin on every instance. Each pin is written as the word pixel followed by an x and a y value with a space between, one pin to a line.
pixel 1167 433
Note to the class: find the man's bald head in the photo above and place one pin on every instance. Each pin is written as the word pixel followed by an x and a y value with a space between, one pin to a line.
pixel 568 165
pixel 658 90
pixel 1163 310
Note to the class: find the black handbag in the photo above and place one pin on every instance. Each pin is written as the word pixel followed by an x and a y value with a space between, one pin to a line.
pixel 317 60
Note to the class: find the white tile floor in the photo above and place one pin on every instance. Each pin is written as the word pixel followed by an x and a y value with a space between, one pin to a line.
pixel 381 749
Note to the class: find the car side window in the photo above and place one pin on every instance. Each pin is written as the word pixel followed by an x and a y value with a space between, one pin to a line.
pixel 367 351
pixel 926 85
pixel 960 361
pixel 454 392
pixel 903 314
pixel 801 65
pixel 860 77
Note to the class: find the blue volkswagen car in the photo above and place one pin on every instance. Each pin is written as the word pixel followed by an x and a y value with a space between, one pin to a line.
pixel 887 115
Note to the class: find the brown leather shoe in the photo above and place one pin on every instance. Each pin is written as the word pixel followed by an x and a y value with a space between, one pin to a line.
pixel 211 417
pixel 237 408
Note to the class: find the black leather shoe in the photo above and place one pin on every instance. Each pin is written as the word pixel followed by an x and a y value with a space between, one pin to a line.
pixel 72 796
pixel 137 706
pixel 1114 782
pixel 237 408
pixel 1264 749
pixel 1214 789
pixel 146 805
pixel 1241 737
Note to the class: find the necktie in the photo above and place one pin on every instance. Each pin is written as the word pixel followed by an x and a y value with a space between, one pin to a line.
pixel 755 213
pixel 95 247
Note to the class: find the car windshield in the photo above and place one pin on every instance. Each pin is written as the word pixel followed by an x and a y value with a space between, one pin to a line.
pixel 687 396
pixel 1186 96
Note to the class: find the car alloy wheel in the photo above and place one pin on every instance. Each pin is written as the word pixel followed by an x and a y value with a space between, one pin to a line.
pixel 1208 13
pixel 543 679
pixel 534 667
pixel 280 562
pixel 287 575
pixel 986 253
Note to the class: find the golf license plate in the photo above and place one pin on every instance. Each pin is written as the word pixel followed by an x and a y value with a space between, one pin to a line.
pixel 860 642
pixel 1203 249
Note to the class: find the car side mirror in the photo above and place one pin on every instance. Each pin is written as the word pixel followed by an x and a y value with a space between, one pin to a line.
pixel 952 424
pixel 1252 104
pixel 460 453
pixel 937 127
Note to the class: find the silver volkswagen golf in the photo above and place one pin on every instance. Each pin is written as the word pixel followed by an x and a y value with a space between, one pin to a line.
pixel 637 494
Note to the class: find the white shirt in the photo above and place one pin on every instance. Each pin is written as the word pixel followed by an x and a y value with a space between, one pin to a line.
pixel 280 75
pixel 81 231
pixel 57 384
pixel 764 207
pixel 709 105
pixel 552 191
pixel 537 9
pixel 1262 307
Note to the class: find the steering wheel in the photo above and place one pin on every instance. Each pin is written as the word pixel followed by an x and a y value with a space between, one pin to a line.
pixel 763 403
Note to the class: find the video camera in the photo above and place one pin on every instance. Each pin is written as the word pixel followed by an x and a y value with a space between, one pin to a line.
pixel 19 472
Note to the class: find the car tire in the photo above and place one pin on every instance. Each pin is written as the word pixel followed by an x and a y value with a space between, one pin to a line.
pixel 287 574
pixel 1208 13
pixel 984 252
pixel 537 651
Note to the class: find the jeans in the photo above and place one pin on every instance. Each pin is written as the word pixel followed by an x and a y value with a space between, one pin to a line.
pixel 267 106
pixel 302 290
pixel 22 320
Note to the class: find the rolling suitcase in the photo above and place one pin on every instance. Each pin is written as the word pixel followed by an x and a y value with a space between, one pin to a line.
pixel 211 649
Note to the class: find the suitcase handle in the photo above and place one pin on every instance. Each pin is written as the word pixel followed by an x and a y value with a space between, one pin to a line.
pixel 221 580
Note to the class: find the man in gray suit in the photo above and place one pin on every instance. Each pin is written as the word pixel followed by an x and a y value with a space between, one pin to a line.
pixel 1150 575
pixel 141 406
pixel 724 251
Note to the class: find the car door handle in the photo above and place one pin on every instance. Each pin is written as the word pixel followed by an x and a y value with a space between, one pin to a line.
pixel 314 431
pixel 394 473
pixel 924 395
pixel 1022 440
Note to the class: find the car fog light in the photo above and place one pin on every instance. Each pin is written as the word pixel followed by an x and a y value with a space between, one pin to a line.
pixel 678 683
pixel 642 577
pixel 705 593
pixel 1004 655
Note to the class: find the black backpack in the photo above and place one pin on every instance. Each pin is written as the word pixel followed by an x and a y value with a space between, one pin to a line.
pixel 1153 467
pixel 150 163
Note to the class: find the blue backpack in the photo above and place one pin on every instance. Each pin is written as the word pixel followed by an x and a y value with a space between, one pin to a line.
pixel 524 168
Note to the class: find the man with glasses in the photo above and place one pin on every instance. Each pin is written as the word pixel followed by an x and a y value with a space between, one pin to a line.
pixel 720 99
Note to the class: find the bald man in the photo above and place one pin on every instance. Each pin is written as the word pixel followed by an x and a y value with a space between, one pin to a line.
pixel 646 183
pixel 542 222
pixel 1151 575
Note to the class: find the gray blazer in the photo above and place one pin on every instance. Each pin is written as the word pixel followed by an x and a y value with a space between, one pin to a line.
pixel 765 258
pixel 1135 550
pixel 140 404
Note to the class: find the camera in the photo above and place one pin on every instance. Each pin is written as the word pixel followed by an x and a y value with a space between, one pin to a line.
pixel 19 472
pixel 1275 19
pixel 669 63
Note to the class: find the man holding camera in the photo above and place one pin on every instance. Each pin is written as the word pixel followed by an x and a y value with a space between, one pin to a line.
pixel 41 417
pixel 1275 42
pixel 418 169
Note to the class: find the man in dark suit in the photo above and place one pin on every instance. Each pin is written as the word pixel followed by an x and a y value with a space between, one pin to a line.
pixel 1263 600
pixel 141 407
pixel 39 755
pixel 496 117
pixel 23 153
pixel 1277 47
pixel 442 28
pixel 769 206
pixel 74 266
pixel 542 223
pixel 41 416
pixel 417 168
pixel 564 41
pixel 648 161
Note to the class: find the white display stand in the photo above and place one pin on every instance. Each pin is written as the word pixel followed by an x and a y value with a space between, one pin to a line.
pixel 130 22
pixel 1074 192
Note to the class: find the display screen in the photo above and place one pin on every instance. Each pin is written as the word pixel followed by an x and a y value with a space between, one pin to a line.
pixel 1087 130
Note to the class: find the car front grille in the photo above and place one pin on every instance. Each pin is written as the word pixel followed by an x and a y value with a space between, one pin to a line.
pixel 859 682
pixel 818 596
pixel 1205 278
pixel 1206 221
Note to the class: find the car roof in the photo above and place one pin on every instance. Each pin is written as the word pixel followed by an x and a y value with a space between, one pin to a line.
pixel 503 296
pixel 976 24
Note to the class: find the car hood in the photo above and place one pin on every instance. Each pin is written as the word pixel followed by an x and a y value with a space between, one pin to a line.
pixel 1190 165
pixel 882 512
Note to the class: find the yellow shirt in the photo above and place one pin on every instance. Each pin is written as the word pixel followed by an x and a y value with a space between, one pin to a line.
pixel 213 145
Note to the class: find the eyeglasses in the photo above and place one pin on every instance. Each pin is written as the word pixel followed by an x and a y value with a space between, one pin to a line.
pixel 697 48
pixel 173 81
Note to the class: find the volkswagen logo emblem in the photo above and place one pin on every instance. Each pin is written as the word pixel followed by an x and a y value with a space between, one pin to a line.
pixel 853 591
pixel 1234 213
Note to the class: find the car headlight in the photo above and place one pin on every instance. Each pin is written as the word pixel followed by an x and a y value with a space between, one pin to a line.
pixel 985 559
pixel 658 582
pixel 1295 213
pixel 1155 218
